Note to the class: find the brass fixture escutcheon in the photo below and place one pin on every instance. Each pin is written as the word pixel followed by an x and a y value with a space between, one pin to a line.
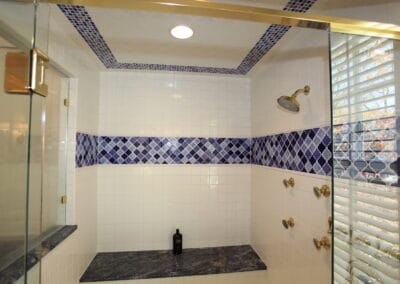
pixel 324 190
pixel 288 182
pixel 322 243
pixel 288 223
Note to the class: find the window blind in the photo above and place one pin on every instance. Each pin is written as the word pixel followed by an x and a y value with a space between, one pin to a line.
pixel 365 154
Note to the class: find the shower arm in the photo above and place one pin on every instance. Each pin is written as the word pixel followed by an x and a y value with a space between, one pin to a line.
pixel 305 90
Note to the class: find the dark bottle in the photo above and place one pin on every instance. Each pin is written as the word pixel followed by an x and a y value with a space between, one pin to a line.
pixel 177 242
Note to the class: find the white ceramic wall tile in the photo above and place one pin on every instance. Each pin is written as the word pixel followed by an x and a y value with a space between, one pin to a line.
pixel 300 58
pixel 172 104
pixel 67 262
pixel 290 254
pixel 139 207
pixel 69 51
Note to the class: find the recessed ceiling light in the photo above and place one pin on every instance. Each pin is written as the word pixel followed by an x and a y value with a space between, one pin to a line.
pixel 182 32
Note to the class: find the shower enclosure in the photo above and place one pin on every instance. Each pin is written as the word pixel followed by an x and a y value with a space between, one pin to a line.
pixel 33 127
pixel 365 95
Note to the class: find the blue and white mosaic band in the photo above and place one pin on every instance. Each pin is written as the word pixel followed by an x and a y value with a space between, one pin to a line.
pixel 307 150
pixel 375 159
pixel 86 150
pixel 83 23
pixel 304 151
pixel 172 150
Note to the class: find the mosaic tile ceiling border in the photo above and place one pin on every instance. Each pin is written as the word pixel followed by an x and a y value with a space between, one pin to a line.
pixel 83 23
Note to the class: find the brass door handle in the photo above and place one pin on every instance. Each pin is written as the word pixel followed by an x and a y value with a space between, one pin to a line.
pixel 288 223
pixel 288 182
pixel 324 190
pixel 322 243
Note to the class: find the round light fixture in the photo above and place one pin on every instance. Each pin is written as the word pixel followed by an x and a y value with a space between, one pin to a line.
pixel 182 32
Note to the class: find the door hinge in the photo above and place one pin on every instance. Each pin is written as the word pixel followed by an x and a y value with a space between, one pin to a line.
pixel 16 79
pixel 67 102
pixel 19 65
pixel 64 199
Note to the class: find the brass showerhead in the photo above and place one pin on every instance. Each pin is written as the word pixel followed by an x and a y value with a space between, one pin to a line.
pixel 291 103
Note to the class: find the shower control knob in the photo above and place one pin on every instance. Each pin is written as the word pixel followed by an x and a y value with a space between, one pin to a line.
pixel 324 190
pixel 288 182
pixel 288 223
pixel 322 243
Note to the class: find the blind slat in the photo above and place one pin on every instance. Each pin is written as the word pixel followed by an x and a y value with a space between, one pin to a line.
pixel 376 190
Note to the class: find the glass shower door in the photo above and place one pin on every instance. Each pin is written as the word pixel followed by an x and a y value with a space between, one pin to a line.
pixel 365 81
pixel 16 34
pixel 33 142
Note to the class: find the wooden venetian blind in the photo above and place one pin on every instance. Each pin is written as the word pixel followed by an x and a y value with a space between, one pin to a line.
pixel 365 92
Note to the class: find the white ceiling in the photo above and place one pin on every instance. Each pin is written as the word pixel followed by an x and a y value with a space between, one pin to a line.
pixel 144 37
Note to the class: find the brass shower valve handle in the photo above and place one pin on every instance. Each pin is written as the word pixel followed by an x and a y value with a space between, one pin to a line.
pixel 325 190
pixel 289 182
pixel 322 243
pixel 288 223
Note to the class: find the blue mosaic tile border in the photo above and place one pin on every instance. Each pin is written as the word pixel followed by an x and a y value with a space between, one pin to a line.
pixel 375 160
pixel 86 150
pixel 83 23
pixel 171 150
pixel 304 151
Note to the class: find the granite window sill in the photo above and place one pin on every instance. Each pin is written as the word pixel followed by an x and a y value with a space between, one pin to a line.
pixel 15 270
pixel 160 264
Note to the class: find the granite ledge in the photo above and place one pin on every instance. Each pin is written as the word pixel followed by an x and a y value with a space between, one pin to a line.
pixel 162 263
pixel 15 270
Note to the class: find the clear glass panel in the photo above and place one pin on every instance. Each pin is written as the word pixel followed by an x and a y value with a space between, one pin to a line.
pixel 14 116
pixel 47 160
pixel 35 172
pixel 16 33
pixel 42 27
pixel 54 168
pixel 47 181
pixel 33 141
pixel 365 78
